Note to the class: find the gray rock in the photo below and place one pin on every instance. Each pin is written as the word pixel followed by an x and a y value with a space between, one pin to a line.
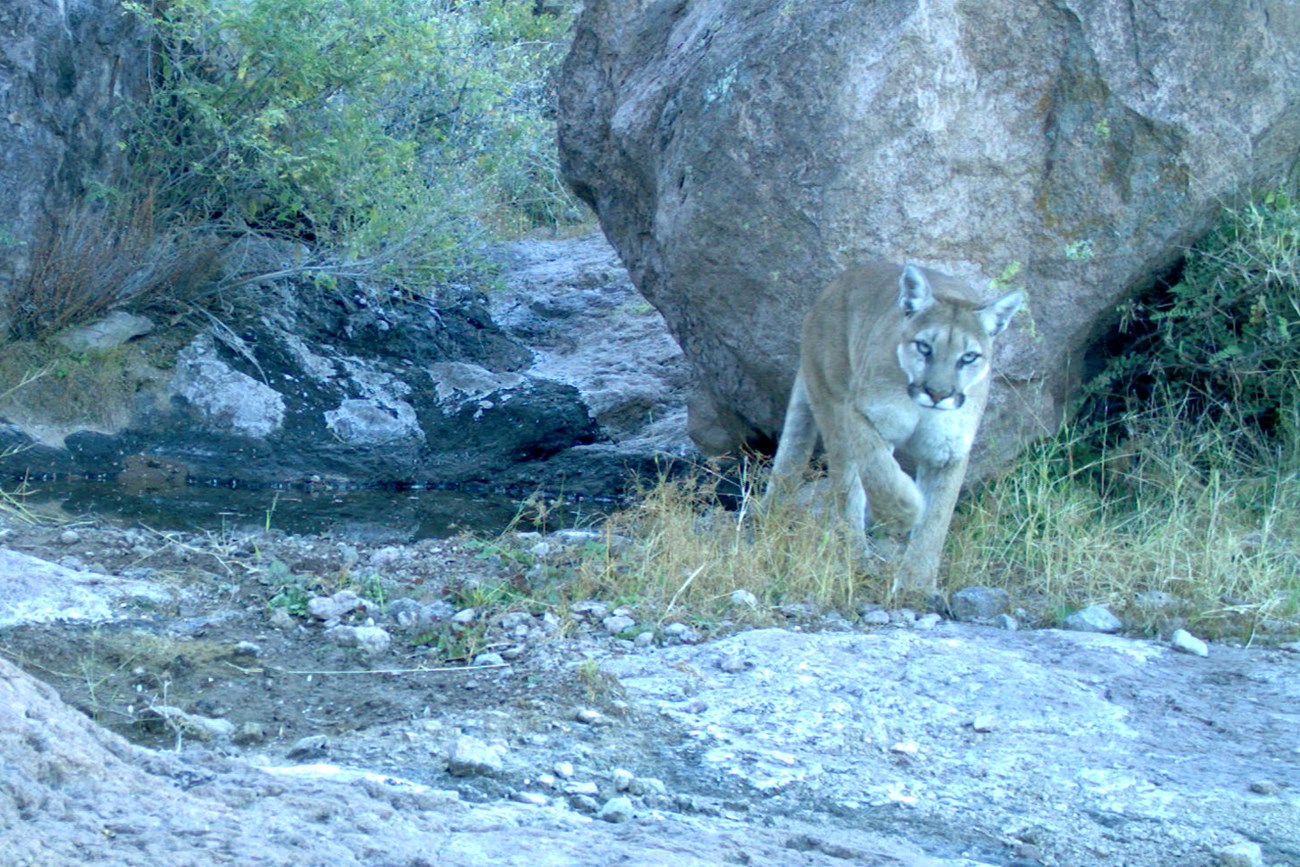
pixel 250 734
pixel 309 747
pixel 928 621
pixel 113 330
pixel 618 809
pixel 744 599
pixel 405 612
pixel 622 779
pixel 1184 642
pixel 490 658
pixel 617 623
pixel 334 607
pixel 1094 618
pixel 1240 855
pixel 680 633
pixel 471 757
pixel 372 640
pixel 69 537
pixel 1007 622
pixel 873 616
pixel 740 152
pixel 465 616
pixel 979 604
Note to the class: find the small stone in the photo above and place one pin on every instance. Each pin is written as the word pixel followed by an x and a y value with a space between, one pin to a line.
pixel 979 604
pixel 617 809
pixel 490 658
pixel 622 779
pixel 1007 622
pixel 744 599
pixel 334 607
pixel 734 664
pixel 471 757
pixel 906 748
pixel 584 803
pixel 535 798
pixel 1184 642
pixel 281 619
pixel 434 613
pixel 582 787
pixel 247 648
pixel 617 623
pixel 310 747
pixel 591 717
pixel 69 537
pixel 250 734
pixel 1265 787
pixel 589 608
pixel 903 617
pixel 985 722
pixel 563 770
pixel 680 633
pixel 515 619
pixel 928 621
pixel 644 639
pixel 1241 855
pixel 405 612
pixel 464 617
pixel 648 786
pixel 874 617
pixel 1094 618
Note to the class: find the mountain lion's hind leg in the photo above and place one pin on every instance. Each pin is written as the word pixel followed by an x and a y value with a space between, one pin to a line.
pixel 798 437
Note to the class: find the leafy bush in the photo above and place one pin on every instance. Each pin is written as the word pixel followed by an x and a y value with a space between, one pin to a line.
pixel 1226 336
pixel 379 130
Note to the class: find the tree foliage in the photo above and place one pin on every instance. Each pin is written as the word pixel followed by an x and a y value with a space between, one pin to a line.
pixel 391 130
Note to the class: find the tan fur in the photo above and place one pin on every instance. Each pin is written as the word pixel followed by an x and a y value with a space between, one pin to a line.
pixel 893 372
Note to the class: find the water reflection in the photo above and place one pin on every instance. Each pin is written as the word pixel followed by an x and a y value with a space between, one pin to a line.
pixel 362 515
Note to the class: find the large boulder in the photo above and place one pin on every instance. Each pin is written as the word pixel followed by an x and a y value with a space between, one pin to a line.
pixel 69 73
pixel 739 153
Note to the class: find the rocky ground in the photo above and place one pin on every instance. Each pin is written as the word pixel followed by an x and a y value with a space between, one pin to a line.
pixel 306 700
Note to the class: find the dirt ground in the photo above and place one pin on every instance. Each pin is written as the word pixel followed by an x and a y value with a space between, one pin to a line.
pixel 825 742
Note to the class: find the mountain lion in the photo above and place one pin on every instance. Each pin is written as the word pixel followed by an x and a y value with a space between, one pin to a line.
pixel 893 372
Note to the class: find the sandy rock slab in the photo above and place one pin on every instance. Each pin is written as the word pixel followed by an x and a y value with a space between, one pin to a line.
pixel 74 793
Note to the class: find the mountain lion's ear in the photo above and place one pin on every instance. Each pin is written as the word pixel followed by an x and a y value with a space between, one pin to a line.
pixel 994 317
pixel 914 293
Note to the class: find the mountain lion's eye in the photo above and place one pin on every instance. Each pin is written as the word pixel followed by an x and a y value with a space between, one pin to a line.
pixel 970 358
pixel 922 347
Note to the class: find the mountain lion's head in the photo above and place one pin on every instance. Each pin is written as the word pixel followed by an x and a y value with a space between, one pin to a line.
pixel 946 342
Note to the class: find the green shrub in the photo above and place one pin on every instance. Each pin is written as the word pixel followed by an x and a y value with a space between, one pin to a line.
pixel 384 131
pixel 1226 336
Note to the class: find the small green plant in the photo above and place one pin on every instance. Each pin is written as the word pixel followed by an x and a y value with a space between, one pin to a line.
pixel 292 592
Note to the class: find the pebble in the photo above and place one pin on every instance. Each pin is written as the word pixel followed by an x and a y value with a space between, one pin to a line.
pixel 563 770
pixel 69 537
pixel 515 619
pixel 928 621
pixel 874 617
pixel 471 757
pixel 985 722
pixel 1185 642
pixel 582 787
pixel 591 717
pixel 1265 787
pixel 373 640
pixel 406 612
pixel 250 734
pixel 310 747
pixel 616 623
pixel 644 639
pixel 734 664
pixel 281 619
pixel 1007 622
pixel 248 648
pixel 680 633
pixel 622 779
pixel 465 616
pixel 906 748
pixel 490 658
pixel 589 608
pixel 1094 618
pixel 334 607
pixel 535 798
pixel 617 809
pixel 1241 855
pixel 438 611
pixel 979 604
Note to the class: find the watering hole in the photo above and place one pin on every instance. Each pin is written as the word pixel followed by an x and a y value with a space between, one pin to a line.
pixel 383 514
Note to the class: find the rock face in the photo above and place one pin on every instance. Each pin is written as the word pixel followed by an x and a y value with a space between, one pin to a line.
pixel 298 385
pixel 65 68
pixel 739 153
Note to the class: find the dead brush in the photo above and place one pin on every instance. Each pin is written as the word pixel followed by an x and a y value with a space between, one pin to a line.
pixel 690 551
pixel 98 256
